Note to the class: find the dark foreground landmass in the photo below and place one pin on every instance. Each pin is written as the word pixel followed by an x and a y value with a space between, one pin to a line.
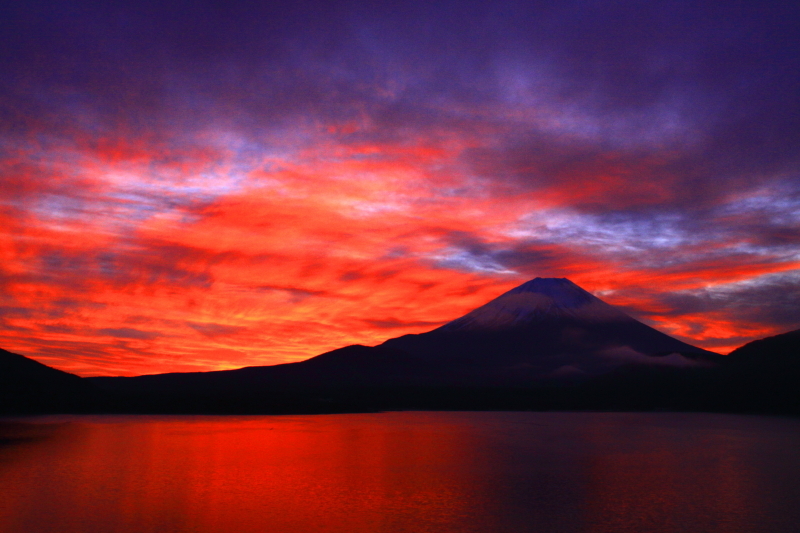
pixel 27 386
pixel 760 377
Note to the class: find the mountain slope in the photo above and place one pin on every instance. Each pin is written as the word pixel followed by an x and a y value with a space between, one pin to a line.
pixel 761 376
pixel 783 349
pixel 27 386
pixel 547 329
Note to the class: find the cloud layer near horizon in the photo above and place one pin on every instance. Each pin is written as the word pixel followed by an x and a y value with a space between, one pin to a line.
pixel 193 187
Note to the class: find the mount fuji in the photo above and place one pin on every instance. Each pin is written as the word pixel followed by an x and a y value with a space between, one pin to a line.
pixel 547 329
pixel 545 335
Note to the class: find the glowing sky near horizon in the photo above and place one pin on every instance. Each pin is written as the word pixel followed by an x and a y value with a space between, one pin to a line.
pixel 186 186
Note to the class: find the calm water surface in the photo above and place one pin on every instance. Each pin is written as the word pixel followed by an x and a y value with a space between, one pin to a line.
pixel 411 471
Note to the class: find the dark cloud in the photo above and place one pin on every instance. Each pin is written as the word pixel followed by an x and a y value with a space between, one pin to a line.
pixel 697 57
pixel 697 98
pixel 770 300
pixel 296 294
pixel 392 323
pixel 351 275
pixel 128 333
pixel 17 312
pixel 60 329
pixel 130 265
pixel 210 329
pixel 471 252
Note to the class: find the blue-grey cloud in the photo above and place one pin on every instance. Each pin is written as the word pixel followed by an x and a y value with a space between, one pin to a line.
pixel 770 299
pixel 129 333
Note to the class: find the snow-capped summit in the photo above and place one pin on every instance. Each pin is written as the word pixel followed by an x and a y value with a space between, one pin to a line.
pixel 560 289
pixel 537 299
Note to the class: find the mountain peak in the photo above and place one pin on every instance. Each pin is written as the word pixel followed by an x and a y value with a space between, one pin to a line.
pixel 562 291
pixel 534 300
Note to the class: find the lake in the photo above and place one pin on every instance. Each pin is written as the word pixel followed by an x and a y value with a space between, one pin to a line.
pixel 401 471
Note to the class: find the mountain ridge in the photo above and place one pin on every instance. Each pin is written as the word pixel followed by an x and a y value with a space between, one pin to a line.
pixel 28 386
pixel 547 344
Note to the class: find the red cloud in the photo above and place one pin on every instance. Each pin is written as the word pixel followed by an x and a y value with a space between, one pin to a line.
pixel 113 265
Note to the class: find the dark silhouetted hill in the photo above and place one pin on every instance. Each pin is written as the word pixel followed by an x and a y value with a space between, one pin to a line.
pixel 29 387
pixel 761 376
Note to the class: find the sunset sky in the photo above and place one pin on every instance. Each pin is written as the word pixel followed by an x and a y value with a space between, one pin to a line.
pixel 197 186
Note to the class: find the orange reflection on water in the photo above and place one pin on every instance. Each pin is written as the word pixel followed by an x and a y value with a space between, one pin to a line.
pixel 396 472
pixel 257 474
